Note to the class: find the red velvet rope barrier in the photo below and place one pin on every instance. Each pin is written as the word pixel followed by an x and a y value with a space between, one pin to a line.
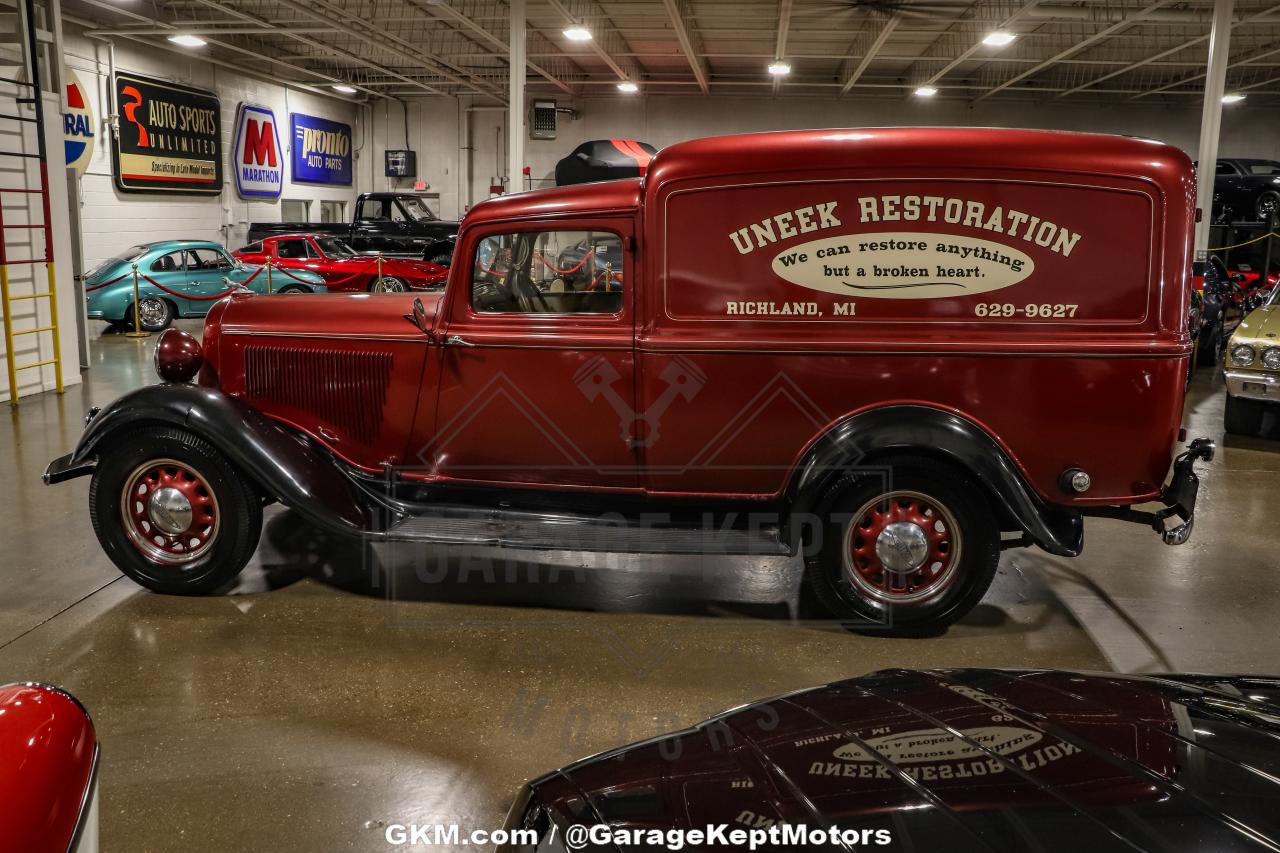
pixel 105 283
pixel 152 281
pixel 581 263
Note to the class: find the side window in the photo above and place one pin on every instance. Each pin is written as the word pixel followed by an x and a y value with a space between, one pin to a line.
pixel 253 249
pixel 206 259
pixel 548 272
pixel 291 249
pixel 397 214
pixel 171 262
pixel 371 209
pixel 1225 168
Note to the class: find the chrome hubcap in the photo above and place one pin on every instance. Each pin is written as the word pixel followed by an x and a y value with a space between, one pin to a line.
pixel 169 510
pixel 152 311
pixel 902 547
pixel 391 285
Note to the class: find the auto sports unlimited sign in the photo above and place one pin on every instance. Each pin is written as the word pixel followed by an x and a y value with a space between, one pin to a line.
pixel 170 137
pixel 321 150
pixel 255 157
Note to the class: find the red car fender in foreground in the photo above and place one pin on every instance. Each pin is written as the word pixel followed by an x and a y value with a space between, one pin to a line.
pixel 47 773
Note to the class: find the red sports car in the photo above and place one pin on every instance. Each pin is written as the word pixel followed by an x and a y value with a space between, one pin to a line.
pixel 342 268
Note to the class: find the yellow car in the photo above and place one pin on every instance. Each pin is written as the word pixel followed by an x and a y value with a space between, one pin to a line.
pixel 1252 367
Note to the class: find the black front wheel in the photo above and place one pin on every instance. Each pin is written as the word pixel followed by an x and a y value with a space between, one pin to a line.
pixel 1267 205
pixel 906 549
pixel 172 513
pixel 1209 349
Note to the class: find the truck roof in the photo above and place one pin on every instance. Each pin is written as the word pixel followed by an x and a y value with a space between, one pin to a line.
pixel 578 198
pixel 919 148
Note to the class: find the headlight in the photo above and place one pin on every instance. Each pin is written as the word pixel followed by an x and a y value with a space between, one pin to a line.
pixel 1271 358
pixel 1242 355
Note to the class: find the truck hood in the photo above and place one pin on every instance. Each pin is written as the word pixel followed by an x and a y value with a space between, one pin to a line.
pixel 955 759
pixel 338 315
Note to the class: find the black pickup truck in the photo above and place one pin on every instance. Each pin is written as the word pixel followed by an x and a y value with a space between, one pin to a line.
pixel 391 223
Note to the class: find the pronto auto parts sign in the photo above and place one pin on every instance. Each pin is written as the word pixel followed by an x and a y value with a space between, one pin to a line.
pixel 170 137
pixel 255 157
pixel 320 152
pixel 77 124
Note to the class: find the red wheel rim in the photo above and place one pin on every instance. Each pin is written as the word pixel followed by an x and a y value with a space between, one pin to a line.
pixel 902 548
pixel 169 512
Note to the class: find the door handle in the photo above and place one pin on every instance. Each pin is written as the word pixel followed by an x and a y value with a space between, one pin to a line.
pixel 457 341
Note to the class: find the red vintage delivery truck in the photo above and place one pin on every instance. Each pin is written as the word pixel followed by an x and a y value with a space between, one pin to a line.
pixel 894 352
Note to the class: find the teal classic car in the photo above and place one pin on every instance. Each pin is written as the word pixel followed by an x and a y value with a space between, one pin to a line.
pixel 179 278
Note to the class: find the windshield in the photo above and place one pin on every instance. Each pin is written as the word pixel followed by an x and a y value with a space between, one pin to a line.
pixel 335 248
pixel 129 255
pixel 416 209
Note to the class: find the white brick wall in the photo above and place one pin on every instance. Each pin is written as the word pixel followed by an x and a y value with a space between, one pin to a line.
pixel 112 220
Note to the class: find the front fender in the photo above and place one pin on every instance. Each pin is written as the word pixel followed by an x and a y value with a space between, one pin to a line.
pixel 930 432
pixel 261 449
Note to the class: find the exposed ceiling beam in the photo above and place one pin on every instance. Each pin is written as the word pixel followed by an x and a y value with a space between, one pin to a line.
pixel 1178 48
pixel 868 53
pixel 1123 23
pixel 606 42
pixel 316 43
pixel 961 39
pixel 444 12
pixel 785 8
pixel 1191 78
pixel 690 43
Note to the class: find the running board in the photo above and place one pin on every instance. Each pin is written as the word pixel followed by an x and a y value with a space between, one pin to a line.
pixel 447 525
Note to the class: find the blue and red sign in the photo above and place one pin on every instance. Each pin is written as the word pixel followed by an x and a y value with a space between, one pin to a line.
pixel 321 151
pixel 77 124
pixel 256 158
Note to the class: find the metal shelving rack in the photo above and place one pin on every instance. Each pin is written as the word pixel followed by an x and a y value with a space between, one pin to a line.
pixel 11 109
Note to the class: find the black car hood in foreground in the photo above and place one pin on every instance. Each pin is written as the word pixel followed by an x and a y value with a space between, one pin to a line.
pixel 959 760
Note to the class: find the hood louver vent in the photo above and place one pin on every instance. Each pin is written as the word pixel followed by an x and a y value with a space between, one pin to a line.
pixel 346 390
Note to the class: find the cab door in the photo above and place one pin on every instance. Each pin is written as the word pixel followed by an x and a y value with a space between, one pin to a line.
pixel 537 382
pixel 372 218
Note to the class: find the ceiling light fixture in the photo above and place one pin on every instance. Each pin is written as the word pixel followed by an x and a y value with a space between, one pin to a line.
pixel 1233 98
pixel 577 33
pixel 779 68
pixel 999 38
pixel 925 91
pixel 344 88
pixel 185 40
pixel 628 87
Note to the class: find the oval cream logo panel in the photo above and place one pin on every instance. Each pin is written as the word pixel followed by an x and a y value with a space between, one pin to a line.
pixel 929 745
pixel 903 265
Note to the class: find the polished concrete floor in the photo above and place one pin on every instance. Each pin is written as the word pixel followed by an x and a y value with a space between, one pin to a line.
pixel 321 699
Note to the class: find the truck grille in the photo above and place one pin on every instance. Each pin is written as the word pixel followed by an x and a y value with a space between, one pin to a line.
pixel 347 390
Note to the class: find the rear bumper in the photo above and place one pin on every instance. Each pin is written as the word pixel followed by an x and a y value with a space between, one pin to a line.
pixel 1178 496
pixel 1253 385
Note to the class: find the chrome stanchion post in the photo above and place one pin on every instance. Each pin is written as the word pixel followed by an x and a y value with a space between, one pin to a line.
pixel 137 331
pixel 378 286
pixel 269 265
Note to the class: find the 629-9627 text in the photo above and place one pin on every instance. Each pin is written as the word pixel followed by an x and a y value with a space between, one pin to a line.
pixel 1045 310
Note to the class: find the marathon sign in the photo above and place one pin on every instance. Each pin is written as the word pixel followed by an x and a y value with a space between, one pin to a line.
pixel 170 137
pixel 255 157
pixel 321 150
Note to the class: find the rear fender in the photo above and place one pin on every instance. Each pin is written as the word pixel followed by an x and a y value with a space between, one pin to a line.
pixel 283 467
pixel 934 433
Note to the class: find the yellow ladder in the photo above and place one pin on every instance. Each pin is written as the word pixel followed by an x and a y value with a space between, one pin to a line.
pixel 50 292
